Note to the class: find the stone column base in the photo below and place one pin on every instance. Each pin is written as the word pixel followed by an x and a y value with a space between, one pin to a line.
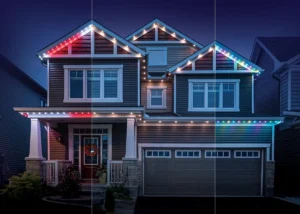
pixel 130 176
pixel 34 165
pixel 270 171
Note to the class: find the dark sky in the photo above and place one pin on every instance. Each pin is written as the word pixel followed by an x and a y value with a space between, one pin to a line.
pixel 29 25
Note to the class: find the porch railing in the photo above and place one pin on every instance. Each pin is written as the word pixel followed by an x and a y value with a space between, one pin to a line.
pixel 52 170
pixel 115 172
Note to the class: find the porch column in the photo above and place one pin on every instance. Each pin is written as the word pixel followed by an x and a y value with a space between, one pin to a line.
pixel 130 139
pixel 35 158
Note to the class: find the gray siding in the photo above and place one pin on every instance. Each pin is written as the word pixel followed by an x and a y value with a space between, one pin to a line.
pixel 183 91
pixel 15 129
pixel 284 92
pixel 295 90
pixel 175 54
pixel 204 134
pixel 56 79
pixel 266 88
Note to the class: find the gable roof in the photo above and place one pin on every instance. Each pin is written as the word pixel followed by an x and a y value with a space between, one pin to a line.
pixel 79 32
pixel 282 48
pixel 225 51
pixel 7 66
pixel 162 25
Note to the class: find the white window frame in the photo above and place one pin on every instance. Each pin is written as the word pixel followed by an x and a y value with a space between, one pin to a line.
pixel 149 49
pixel 154 150
pixel 217 153
pixel 164 97
pixel 188 151
pixel 85 68
pixel 220 81
pixel 235 151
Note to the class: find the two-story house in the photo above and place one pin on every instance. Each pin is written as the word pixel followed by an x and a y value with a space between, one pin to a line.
pixel 16 89
pixel 162 111
pixel 278 93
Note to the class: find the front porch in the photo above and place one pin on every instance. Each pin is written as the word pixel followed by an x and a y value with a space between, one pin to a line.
pixel 88 140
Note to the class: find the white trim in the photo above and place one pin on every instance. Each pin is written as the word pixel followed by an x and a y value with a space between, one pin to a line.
pixel 262 173
pixel 93 25
pixel 156 34
pixel 289 89
pixel 164 49
pixel 48 142
pixel 268 154
pixel 109 56
pixel 115 48
pixel 92 42
pixel 164 97
pixel 139 82
pixel 252 92
pixel 273 143
pixel 176 156
pixel 236 108
pixel 151 150
pixel 213 72
pixel 157 42
pixel 235 151
pixel 214 60
pixel 85 69
pixel 217 155
pixel 200 145
pixel 174 94
pixel 161 25
pixel 48 82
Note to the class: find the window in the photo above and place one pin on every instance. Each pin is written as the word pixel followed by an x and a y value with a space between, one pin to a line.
pixel 213 95
pixel 247 154
pixel 156 97
pixel 157 56
pixel 43 103
pixel 158 153
pixel 187 154
pixel 93 83
pixel 217 154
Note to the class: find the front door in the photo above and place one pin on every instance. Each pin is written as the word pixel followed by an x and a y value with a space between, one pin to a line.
pixel 90 156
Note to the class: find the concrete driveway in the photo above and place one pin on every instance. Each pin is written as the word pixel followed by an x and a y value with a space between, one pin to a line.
pixel 219 205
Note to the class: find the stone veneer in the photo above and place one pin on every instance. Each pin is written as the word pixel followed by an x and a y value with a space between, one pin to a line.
pixel 34 166
pixel 130 176
pixel 269 184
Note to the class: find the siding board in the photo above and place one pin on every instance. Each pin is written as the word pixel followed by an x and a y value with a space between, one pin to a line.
pixel 295 90
pixel 82 45
pixel 204 134
pixel 284 92
pixel 103 45
pixel 56 80
pixel 205 62
pixel 149 36
pixel 59 150
pixel 164 36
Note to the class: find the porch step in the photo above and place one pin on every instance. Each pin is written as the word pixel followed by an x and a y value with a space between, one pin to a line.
pixel 95 191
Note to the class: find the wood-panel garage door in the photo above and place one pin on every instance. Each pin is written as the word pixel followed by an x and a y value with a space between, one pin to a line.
pixel 187 172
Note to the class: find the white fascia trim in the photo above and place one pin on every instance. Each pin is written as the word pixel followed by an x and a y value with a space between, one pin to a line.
pixel 96 126
pixel 214 72
pixel 100 56
pixel 92 66
pixel 200 145
pixel 157 21
pixel 158 48
pixel 215 80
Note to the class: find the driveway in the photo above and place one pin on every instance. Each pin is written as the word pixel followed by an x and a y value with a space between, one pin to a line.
pixel 220 205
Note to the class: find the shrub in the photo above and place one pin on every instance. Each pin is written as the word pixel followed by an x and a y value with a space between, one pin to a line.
pixel 70 182
pixel 25 186
pixel 115 191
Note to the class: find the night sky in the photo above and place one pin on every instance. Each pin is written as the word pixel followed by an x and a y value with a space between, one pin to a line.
pixel 27 26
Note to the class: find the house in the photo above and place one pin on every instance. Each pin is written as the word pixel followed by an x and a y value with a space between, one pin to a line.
pixel 16 89
pixel 163 112
pixel 278 93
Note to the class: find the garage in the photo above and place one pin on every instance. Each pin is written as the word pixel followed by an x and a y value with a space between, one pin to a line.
pixel 202 172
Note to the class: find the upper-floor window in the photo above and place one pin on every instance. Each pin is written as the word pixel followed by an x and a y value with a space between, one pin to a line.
pixel 213 95
pixel 156 97
pixel 157 56
pixel 93 83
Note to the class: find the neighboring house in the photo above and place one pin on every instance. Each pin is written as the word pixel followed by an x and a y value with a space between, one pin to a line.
pixel 277 92
pixel 16 89
pixel 169 115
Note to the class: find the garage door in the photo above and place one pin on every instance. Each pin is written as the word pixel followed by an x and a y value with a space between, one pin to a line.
pixel 187 172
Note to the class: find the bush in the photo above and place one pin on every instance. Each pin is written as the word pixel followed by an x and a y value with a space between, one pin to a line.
pixel 70 185
pixel 116 191
pixel 25 186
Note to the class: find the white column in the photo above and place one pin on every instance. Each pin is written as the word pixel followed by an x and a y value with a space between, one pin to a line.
pixel 35 151
pixel 130 139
